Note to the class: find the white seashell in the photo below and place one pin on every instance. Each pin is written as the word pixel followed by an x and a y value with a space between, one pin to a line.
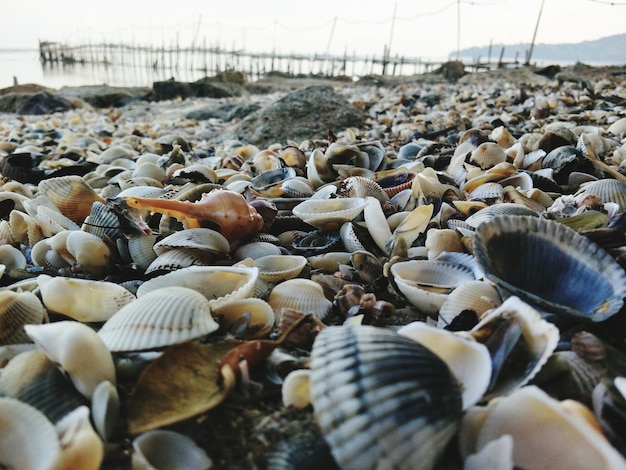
pixel 29 440
pixel 477 296
pixel 163 317
pixel 17 310
pixel 82 447
pixel 51 221
pixel 105 408
pixel 78 350
pixel 256 250
pixel 12 258
pixel 468 360
pixel 495 455
pixel 413 225
pixel 168 450
pixel 178 258
pixel 329 214
pixel 141 249
pixel 536 421
pixel 219 284
pixel 89 251
pixel 376 222
pixel 202 239
pixel 440 240
pixel 261 315
pixel 81 299
pixel 426 284
pixel 24 228
pixel 275 268
pixel 303 295
pixel 296 390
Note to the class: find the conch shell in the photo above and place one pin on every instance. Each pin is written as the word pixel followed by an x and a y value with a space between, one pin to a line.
pixel 228 210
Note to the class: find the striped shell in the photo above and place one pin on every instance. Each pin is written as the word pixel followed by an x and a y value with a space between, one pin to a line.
pixel 160 318
pixel 550 266
pixel 71 195
pixel 202 239
pixel 488 213
pixel 219 284
pixel 275 268
pixel 608 190
pixel 303 295
pixel 17 310
pixel 382 400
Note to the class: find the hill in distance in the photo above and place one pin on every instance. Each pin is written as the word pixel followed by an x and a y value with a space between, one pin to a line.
pixel 609 50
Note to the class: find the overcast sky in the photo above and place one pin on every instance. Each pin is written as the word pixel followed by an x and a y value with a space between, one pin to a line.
pixel 424 29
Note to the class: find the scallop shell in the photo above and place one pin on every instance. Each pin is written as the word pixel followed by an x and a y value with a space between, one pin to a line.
pixel 256 250
pixel 51 221
pixel 71 195
pixel 426 284
pixel 140 248
pixel 275 268
pixel 487 155
pixel 303 295
pixel 382 400
pixel 219 284
pixel 161 449
pixel 12 258
pixel 488 213
pixel 17 310
pixel 468 360
pixel 202 239
pixel 550 266
pixel 486 191
pixel 102 221
pixel 608 190
pixel 179 258
pixel 329 214
pixel 82 299
pixel 261 316
pixel 78 350
pixel 358 186
pixel 159 318
pixel 29 440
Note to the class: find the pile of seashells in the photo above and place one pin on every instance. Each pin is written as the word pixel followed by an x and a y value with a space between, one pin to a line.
pixel 442 287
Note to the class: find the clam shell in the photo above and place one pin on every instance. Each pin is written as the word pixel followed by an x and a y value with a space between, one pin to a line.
pixel 219 284
pixel 269 183
pixel 426 284
pixel 303 295
pixel 51 221
pixel 17 310
pixel 488 213
pixel 78 350
pixel 89 251
pixel 275 268
pixel 24 228
pixel 296 390
pixel 179 258
pixel 102 221
pixel 550 266
pixel 162 449
pixel 608 190
pixel 329 214
pixel 140 248
pixel 359 186
pixel 477 296
pixel 256 250
pixel 71 195
pixel 202 239
pixel 468 360
pixel 82 447
pixel 12 258
pixel 82 299
pixel 382 400
pixel 29 440
pixel 261 316
pixel 487 155
pixel 159 318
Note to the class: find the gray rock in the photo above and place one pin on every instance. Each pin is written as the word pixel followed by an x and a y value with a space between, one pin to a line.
pixel 226 112
pixel 44 102
pixel 302 114
pixel 170 89
pixel 105 96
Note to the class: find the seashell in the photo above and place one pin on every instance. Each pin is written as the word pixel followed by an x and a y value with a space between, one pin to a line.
pixel 346 154
pixel 487 192
pixel 475 296
pixel 81 299
pixel 276 268
pixel 381 399
pixel 196 173
pixel 329 214
pixel 467 359
pixel 376 222
pixel 51 221
pixel 77 350
pixel 141 249
pixel 103 222
pixel 495 454
pixel 256 250
pixel 330 261
pixel 24 228
pixel 375 152
pixel 618 128
pixel 161 449
pixel 12 258
pixel 303 295
pixel 519 341
pixel 201 239
pixel 501 136
pixel 265 160
pixel 261 316
pixel 394 181
pixel 412 226
pixel 293 157
pixel 16 310
pixel 105 408
pixel 178 258
pixel 609 190
pixel 269 183
pixel 163 317
pixel 533 419
pixel 82 447
pixel 315 242
pixel 29 440
pixel 440 240
pixel 71 195
pixel 426 284
pixel 489 213
pixel 555 268
pixel 358 186
pixel 219 284
pixel 227 210
pixel 316 170
pixel 487 155
pixel 296 390
pixel 89 251
pixel 587 220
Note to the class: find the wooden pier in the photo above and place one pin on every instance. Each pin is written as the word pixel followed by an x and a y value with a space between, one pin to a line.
pixel 199 61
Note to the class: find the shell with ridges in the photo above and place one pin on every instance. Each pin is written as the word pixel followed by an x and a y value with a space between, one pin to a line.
pixel 16 310
pixel 261 320
pixel 303 295
pixel 275 268
pixel 382 400
pixel 477 296
pixel 159 318
pixel 203 239
pixel 71 195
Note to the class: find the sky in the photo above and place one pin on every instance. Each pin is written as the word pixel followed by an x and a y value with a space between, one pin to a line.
pixel 410 28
